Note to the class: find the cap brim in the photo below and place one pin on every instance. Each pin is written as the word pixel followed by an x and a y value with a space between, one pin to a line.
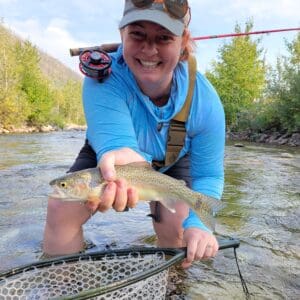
pixel 176 26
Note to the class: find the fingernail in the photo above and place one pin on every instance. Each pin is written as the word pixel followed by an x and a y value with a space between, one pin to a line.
pixel 109 175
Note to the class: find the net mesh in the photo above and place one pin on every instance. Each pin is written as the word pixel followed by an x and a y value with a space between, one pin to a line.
pixel 71 278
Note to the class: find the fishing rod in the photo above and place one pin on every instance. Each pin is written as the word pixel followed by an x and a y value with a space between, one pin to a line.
pixel 111 47
pixel 218 36
pixel 95 61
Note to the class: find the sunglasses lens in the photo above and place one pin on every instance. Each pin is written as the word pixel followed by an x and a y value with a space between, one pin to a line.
pixel 177 8
pixel 142 3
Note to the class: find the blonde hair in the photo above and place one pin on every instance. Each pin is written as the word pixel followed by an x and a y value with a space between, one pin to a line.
pixel 189 45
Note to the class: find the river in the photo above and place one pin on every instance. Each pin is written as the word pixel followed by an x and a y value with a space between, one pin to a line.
pixel 262 196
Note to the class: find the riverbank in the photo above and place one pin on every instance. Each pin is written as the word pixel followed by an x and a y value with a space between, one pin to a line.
pixel 43 128
pixel 273 138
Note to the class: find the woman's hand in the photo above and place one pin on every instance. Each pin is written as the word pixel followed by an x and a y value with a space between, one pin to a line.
pixel 117 193
pixel 200 245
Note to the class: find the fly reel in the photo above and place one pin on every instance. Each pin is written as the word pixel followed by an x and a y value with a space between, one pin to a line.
pixel 95 64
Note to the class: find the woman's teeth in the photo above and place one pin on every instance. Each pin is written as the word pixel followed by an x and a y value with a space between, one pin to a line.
pixel 148 64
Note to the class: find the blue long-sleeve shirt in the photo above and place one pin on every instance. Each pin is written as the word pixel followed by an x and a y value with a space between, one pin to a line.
pixel 119 115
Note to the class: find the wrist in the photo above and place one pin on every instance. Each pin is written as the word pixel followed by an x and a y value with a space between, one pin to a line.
pixel 193 221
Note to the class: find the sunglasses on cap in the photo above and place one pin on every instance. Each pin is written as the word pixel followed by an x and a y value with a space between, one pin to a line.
pixel 175 8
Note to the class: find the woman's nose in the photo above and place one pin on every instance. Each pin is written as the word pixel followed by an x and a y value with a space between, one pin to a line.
pixel 149 48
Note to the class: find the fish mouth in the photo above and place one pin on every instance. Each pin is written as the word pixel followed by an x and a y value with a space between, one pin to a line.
pixel 58 194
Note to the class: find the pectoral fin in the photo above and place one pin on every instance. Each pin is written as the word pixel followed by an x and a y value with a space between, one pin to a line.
pixel 169 204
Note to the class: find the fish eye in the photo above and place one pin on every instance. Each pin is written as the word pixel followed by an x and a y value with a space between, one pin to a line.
pixel 63 184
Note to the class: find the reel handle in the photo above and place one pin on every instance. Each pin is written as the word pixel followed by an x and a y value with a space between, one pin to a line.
pixel 104 47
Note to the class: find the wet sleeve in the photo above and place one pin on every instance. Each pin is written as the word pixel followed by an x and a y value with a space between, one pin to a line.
pixel 208 143
pixel 207 146
pixel 109 123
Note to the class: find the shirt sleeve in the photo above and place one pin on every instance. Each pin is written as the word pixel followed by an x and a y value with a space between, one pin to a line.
pixel 207 142
pixel 109 123
pixel 193 221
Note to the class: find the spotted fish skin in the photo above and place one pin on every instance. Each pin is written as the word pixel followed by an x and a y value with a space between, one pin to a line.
pixel 150 184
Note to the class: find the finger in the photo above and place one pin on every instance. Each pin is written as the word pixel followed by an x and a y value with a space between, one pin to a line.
pixel 209 250
pixel 93 203
pixel 215 248
pixel 121 195
pixel 133 197
pixel 191 250
pixel 185 264
pixel 200 250
pixel 108 197
pixel 107 166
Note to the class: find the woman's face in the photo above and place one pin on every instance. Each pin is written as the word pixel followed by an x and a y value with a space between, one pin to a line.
pixel 151 52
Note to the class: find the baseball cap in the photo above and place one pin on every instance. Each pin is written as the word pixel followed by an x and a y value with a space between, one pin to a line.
pixel 154 13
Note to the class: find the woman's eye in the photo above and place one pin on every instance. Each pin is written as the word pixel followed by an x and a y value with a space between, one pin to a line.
pixel 165 38
pixel 137 35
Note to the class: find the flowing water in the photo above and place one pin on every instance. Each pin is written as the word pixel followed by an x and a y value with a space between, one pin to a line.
pixel 262 196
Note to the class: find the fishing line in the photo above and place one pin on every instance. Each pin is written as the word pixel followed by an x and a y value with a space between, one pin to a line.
pixel 243 282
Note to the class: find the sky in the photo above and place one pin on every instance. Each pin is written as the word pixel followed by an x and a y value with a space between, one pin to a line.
pixel 55 26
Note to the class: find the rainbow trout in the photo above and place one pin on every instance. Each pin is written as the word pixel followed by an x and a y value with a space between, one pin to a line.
pixel 150 184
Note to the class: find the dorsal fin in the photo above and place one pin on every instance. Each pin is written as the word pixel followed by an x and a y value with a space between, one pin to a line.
pixel 182 182
pixel 140 164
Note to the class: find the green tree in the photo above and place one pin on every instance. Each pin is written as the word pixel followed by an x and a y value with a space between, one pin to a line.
pixel 68 103
pixel 284 89
pixel 72 106
pixel 238 75
pixel 34 84
pixel 13 105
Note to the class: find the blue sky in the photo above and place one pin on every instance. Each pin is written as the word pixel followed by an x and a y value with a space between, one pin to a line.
pixel 57 25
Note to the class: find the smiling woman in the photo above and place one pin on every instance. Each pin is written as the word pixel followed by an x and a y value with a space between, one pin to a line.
pixel 128 117
pixel 151 52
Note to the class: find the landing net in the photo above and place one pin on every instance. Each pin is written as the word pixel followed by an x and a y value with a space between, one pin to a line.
pixel 126 274
pixel 123 274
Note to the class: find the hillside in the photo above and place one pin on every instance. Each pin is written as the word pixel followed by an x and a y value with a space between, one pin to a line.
pixel 56 70
pixel 35 88
pixel 50 66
